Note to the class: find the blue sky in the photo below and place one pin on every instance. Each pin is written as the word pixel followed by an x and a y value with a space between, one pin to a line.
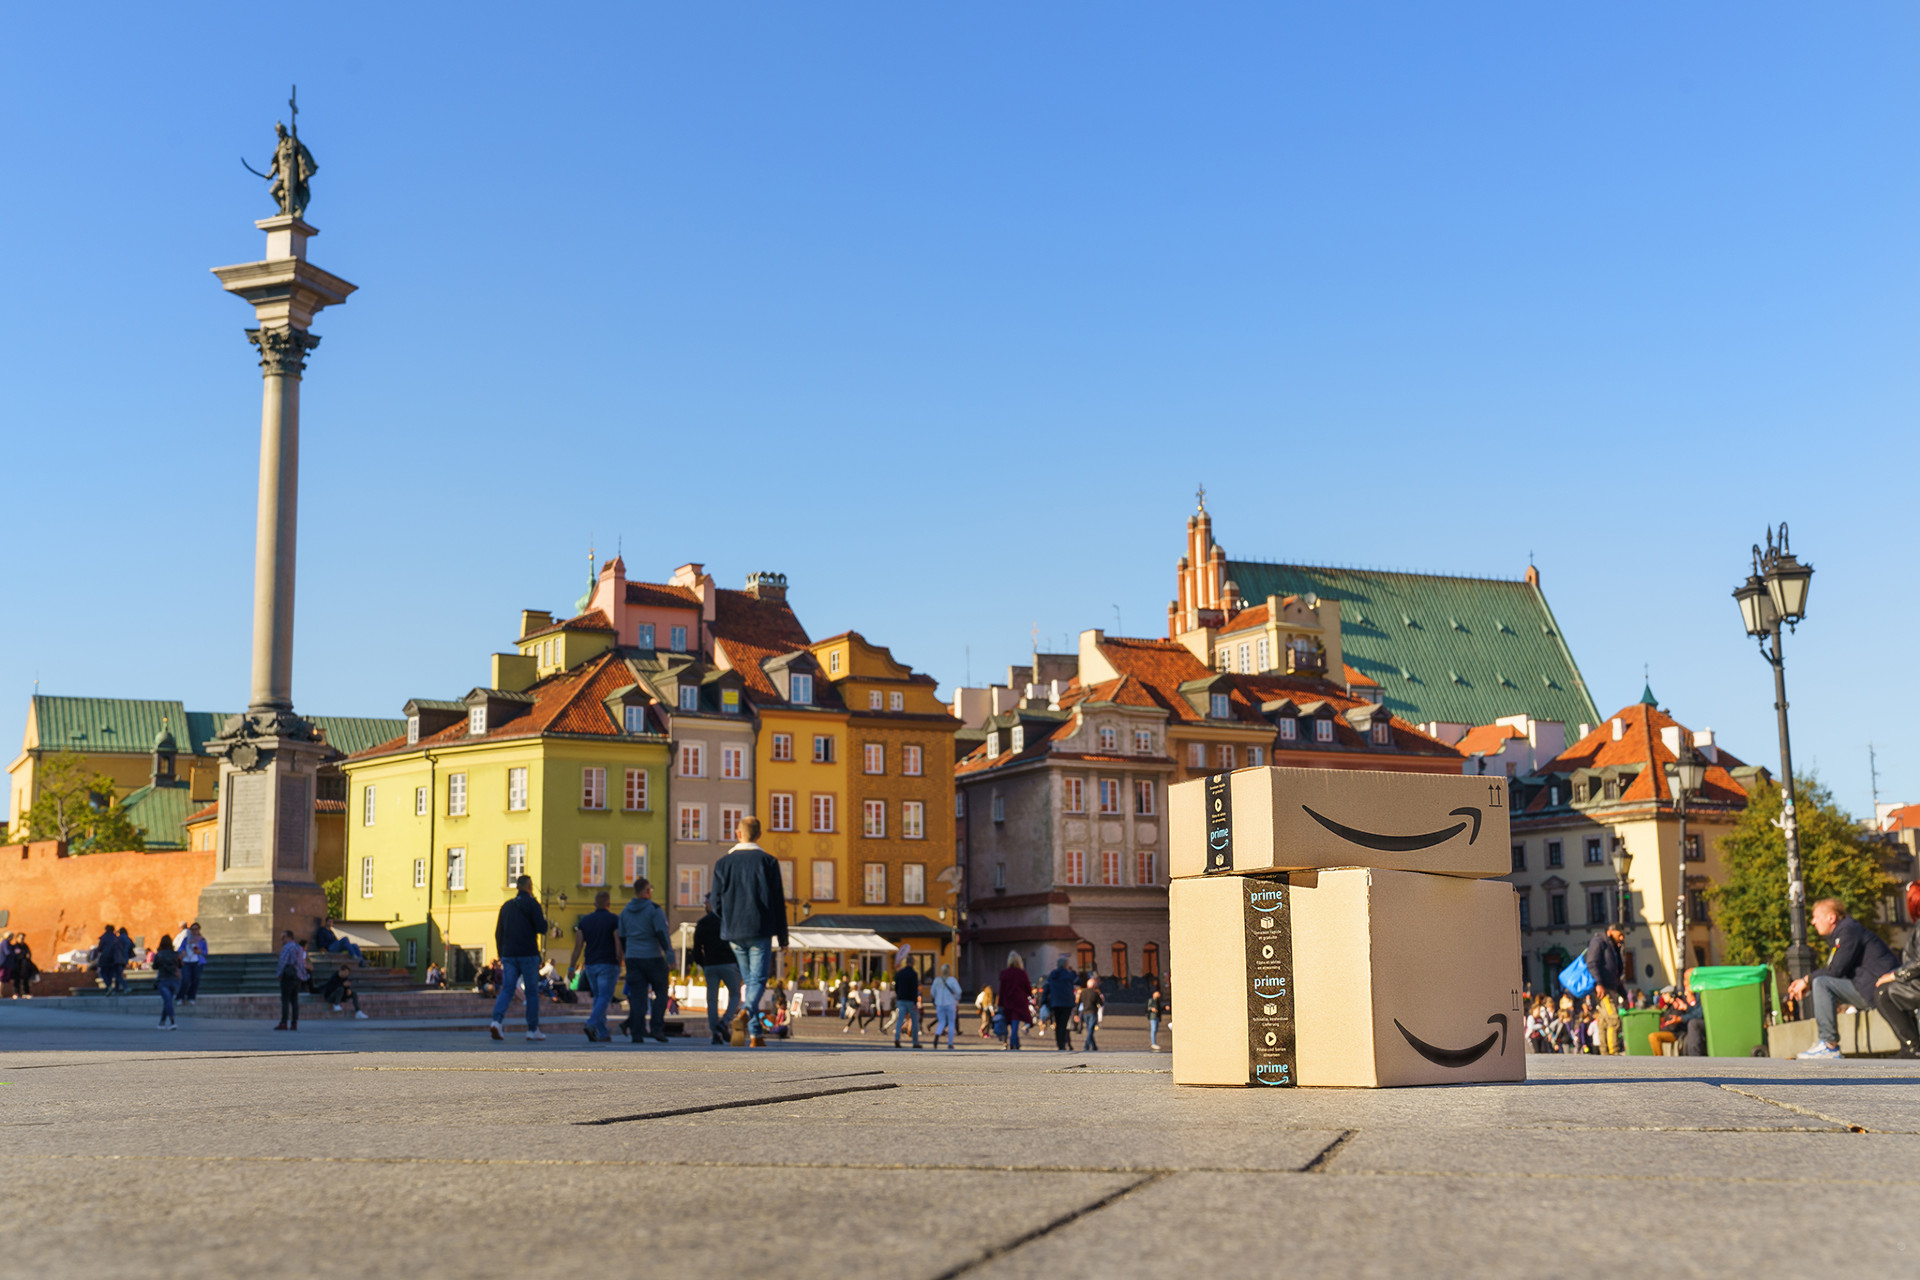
pixel 944 311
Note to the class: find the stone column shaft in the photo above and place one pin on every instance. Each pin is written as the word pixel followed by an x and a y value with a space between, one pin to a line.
pixel 274 539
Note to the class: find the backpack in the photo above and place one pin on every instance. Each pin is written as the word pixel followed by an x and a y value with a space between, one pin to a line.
pixel 1577 978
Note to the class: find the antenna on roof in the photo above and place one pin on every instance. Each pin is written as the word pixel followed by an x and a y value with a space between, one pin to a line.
pixel 1873 776
pixel 1119 627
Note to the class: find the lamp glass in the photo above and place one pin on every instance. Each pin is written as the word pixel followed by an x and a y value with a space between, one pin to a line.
pixel 1621 861
pixel 1749 597
pixel 1692 770
pixel 1787 583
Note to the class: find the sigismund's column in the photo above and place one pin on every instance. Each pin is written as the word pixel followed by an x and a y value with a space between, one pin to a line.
pixel 263 881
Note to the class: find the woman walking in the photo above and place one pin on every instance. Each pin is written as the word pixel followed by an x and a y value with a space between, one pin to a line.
pixel 1016 997
pixel 166 973
pixel 21 968
pixel 946 1005
pixel 1156 1010
pixel 293 972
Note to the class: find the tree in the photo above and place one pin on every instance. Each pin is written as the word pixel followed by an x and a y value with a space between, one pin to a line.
pixel 1836 861
pixel 78 808
pixel 336 891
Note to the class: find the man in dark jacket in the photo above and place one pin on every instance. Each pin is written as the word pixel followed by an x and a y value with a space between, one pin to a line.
pixel 715 958
pixel 646 944
pixel 1897 994
pixel 906 1001
pixel 106 959
pixel 596 936
pixel 1608 969
pixel 1061 996
pixel 518 936
pixel 1849 975
pixel 751 901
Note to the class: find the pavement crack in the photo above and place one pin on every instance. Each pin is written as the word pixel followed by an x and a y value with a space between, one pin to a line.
pixel 1320 1162
pixel 1803 1111
pixel 739 1102
pixel 842 1075
pixel 1047 1228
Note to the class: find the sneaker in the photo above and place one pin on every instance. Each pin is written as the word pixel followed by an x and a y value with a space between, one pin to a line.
pixel 536 1035
pixel 660 1040
pixel 283 1027
pixel 336 1008
pixel 163 1026
pixel 493 1029
pixel 1821 1049
pixel 718 1038
pixel 359 1014
pixel 588 1033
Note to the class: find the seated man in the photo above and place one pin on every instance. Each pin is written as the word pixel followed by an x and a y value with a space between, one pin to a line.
pixel 1850 975
pixel 1898 992
pixel 339 990
pixel 325 939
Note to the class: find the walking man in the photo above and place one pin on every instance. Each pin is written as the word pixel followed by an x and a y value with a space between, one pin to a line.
pixel 292 971
pixel 518 934
pixel 193 959
pixel 645 942
pixel 106 957
pixel 123 956
pixel 751 902
pixel 597 937
pixel 946 1006
pixel 1859 959
pixel 1604 962
pixel 1060 997
pixel 906 999
pixel 715 958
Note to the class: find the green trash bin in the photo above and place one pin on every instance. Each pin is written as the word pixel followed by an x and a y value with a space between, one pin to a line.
pixel 1635 1026
pixel 1733 998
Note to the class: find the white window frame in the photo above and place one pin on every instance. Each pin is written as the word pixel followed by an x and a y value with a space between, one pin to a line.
pixel 1074 794
pixel 477 721
pixel 782 747
pixel 413 952
pixel 822 875
pixel 801 683
pixel 1226 755
pixel 1382 734
pixel 457 869
pixel 593 865
pixel 516 862
pixel 1246 657
pixel 419 873
pixel 819 804
pixel 643 635
pixel 913 884
pixel 1113 867
pixel 693 759
pixel 1289 730
pixel 1256 756
pixel 456 795
pixel 823 748
pixel 786 877
pixel 689 697
pixel 780 806
pixel 1019 738
pixel 1109 795
pixel 873 699
pixel 1143 790
pixel 1220 706
pixel 633 865
pixel 1143 742
pixel 1322 729
pixel 1196 755
pixel 677 639
pixel 733 763
pixel 1076 866
pixel 517 789
pixel 1263 654
pixel 366 877
pixel 690 887
pixel 912 760
pixel 896 701
pixel 643 792
pixel 691 822
pixel 1146 867
pixel 413 731
pixel 366 805
pixel 913 820
pixel 833 662
pixel 420 802
pixel 873 884
pixel 635 718
pixel 593 788
pixel 730 815
pixel 729 702
pixel 873 814
pixel 875 757
pixel 1109 738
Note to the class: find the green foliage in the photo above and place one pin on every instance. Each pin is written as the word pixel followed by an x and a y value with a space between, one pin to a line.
pixel 336 891
pixel 79 808
pixel 1750 907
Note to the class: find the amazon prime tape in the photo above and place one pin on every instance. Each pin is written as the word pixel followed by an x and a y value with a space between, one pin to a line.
pixel 1266 820
pixel 1354 977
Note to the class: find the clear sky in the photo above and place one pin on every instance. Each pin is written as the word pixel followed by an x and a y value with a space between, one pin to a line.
pixel 944 311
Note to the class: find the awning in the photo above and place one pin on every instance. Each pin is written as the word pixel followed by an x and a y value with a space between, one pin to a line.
pixel 837 940
pixel 370 937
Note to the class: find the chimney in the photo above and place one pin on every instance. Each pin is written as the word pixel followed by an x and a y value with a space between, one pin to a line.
pixel 1619 728
pixel 767 586
pixel 1703 743
pixel 1670 738
pixel 532 620
pixel 687 575
pixel 1533 577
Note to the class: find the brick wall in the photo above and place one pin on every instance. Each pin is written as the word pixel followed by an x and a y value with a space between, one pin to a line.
pixel 61 902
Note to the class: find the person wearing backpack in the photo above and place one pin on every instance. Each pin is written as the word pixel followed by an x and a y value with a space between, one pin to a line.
pixel 1060 1002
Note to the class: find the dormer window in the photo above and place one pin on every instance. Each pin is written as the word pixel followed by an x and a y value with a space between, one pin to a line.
pixel 1220 706
pixel 1323 730
pixel 477 722
pixel 993 744
pixel 1143 742
pixel 1019 737
pixel 636 719
pixel 689 697
pixel 413 730
pixel 802 685
pixel 1109 739
pixel 896 702
pixel 1382 734
pixel 730 702
pixel 1289 730
pixel 833 662
pixel 873 698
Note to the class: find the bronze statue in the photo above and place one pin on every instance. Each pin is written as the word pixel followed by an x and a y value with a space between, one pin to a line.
pixel 292 165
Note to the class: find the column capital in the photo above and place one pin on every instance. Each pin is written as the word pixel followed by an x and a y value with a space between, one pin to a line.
pixel 283 352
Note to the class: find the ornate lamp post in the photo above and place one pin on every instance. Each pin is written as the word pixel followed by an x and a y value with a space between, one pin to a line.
pixel 1685 775
pixel 1775 594
pixel 1622 860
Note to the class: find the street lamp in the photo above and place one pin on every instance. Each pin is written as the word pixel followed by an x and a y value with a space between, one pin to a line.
pixel 1621 861
pixel 1773 594
pixel 1686 774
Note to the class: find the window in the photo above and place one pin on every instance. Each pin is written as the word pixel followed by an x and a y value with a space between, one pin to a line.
pixel 516 789
pixel 896 701
pixel 1226 757
pixel 1143 742
pixel 730 816
pixel 993 743
pixel 999 808
pixel 729 702
pixel 366 807
pixel 1554 858
pixel 633 865
pixel 636 790
pixel 1150 960
pixel 1289 730
pixel 783 746
pixel 366 877
pixel 1557 909
pixel 1109 739
pixel 1323 730
pixel 786 878
pixel 873 699
pixel 1263 655
pixel 689 697
pixel 1697 911
pixel 1223 658
pixel 413 730
pixel 1146 867
pixel 1256 756
pixel 1219 706
pixel 1526 912
pixel 781 803
pixel 822 811
pixel 690 887
pixel 1120 952
pixel 913 883
pixel 677 639
pixel 874 884
pixel 593 865
pixel 516 862
pixel 1596 906
pixel 1196 755
pixel 875 812
pixel 644 635
pixel 1019 736
pixel 1143 796
pixel 1246 657
pixel 802 684
pixel 419 873
pixel 1696 852
pixel 913 820
pixel 1607 789
pixel 477 721
pixel 457 869
pixel 693 760
pixel 693 821
pixel 733 762
pixel 823 879
pixel 1110 867
pixel 413 952
pixel 876 758
pixel 456 795
pixel 1109 795
pixel 1382 734
pixel 833 662
pixel 1520 857
pixel 419 802
pixel 593 788
pixel 1076 866
pixel 910 761
pixel 999 875
pixel 823 748
pixel 959 804
pixel 1594 856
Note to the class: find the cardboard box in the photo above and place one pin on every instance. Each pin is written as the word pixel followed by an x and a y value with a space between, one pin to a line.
pixel 1259 821
pixel 1355 977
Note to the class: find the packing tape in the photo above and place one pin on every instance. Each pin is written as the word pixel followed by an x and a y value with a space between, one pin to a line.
pixel 1219 820
pixel 1270 1025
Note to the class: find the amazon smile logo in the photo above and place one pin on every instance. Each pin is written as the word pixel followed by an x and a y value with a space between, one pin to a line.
pixel 1458 1057
pixel 1401 844
pixel 1269 988
pixel 1267 899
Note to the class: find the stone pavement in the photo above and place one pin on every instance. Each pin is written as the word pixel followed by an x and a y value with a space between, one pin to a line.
pixel 227 1149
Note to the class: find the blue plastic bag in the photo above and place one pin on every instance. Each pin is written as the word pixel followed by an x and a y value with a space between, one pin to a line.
pixel 1576 979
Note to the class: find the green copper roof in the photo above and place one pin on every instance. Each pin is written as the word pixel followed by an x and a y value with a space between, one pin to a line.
pixel 161 812
pixel 358 733
pixel 1465 650
pixel 134 724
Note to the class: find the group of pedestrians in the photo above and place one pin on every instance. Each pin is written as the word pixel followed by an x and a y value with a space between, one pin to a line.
pixel 111 956
pixel 17 969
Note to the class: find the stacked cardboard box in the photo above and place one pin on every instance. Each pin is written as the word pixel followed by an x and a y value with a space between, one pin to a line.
pixel 1333 927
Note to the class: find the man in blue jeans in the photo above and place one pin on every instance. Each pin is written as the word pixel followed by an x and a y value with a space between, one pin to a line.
pixel 715 958
pixel 518 936
pixel 751 901
pixel 597 936
pixel 645 943
pixel 1849 975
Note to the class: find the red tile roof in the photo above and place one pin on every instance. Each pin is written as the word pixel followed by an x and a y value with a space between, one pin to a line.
pixel 1640 744
pixel 661 595
pixel 202 815
pixel 1904 818
pixel 568 702
pixel 750 630
pixel 1488 739
pixel 1160 667
pixel 1359 680
pixel 591 620
pixel 1304 691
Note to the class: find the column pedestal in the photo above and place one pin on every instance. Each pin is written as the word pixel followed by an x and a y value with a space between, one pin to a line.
pixel 263 882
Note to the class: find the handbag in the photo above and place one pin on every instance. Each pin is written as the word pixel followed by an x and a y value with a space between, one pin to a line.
pixel 1576 978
